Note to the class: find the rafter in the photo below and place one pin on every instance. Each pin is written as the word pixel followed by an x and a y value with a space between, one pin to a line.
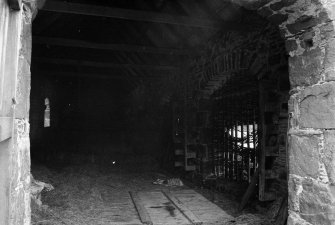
pixel 137 15
pixel 47 22
pixel 93 75
pixel 113 47
pixel 84 63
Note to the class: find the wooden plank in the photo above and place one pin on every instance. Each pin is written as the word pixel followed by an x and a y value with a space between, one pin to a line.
pixel 231 140
pixel 237 170
pixel 6 128
pixel 261 141
pixel 281 218
pixel 248 146
pixel 3 42
pixel 106 46
pixel 254 136
pixel 136 15
pixel 142 212
pixel 250 191
pixel 161 210
pixel 204 209
pixel 187 213
pixel 110 76
pixel 10 33
pixel 75 62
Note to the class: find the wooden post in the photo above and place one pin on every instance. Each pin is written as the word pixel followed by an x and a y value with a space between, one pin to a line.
pixel 250 191
pixel 236 145
pixel 254 139
pixel 262 136
pixel 248 146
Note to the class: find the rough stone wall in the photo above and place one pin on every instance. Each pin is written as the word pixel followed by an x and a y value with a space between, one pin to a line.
pixel 16 77
pixel 308 29
pixel 20 155
pixel 19 191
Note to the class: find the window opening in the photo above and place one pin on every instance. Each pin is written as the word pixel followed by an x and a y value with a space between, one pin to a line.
pixel 47 112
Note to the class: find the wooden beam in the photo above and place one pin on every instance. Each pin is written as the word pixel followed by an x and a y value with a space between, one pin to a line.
pixel 84 63
pixel 250 191
pixel 93 75
pixel 113 47
pixel 136 15
pixel 182 208
pixel 142 212
pixel 45 23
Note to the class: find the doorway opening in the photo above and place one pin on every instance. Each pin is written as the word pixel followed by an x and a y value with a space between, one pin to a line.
pixel 126 110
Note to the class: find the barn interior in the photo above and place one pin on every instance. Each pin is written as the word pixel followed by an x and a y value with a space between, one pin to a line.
pixel 126 95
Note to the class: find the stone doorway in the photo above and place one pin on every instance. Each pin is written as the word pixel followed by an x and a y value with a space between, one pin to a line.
pixel 307 28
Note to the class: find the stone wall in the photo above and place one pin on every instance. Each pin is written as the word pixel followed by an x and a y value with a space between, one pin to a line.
pixel 20 154
pixel 19 169
pixel 15 84
pixel 308 29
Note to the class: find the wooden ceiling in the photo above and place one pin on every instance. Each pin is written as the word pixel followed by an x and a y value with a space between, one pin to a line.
pixel 127 39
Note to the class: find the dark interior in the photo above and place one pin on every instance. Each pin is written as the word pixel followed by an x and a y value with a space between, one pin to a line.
pixel 139 91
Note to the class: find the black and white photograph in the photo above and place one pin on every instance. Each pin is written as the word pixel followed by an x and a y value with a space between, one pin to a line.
pixel 167 112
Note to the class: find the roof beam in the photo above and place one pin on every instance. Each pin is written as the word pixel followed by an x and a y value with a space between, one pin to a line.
pixel 76 62
pixel 129 14
pixel 47 22
pixel 93 75
pixel 113 47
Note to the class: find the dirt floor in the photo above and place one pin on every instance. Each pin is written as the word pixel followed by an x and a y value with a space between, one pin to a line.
pixel 93 195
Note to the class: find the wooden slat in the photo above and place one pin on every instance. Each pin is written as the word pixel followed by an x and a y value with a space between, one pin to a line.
pixel 281 218
pixel 161 210
pixel 142 212
pixel 236 168
pixel 187 213
pixel 6 128
pixel 104 46
pixel 206 211
pixel 3 42
pixel 74 62
pixel 250 191
pixel 261 142
pixel 136 15
pixel 254 139
pixel 110 76
pixel 9 61
pixel 248 146
pixel 231 139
